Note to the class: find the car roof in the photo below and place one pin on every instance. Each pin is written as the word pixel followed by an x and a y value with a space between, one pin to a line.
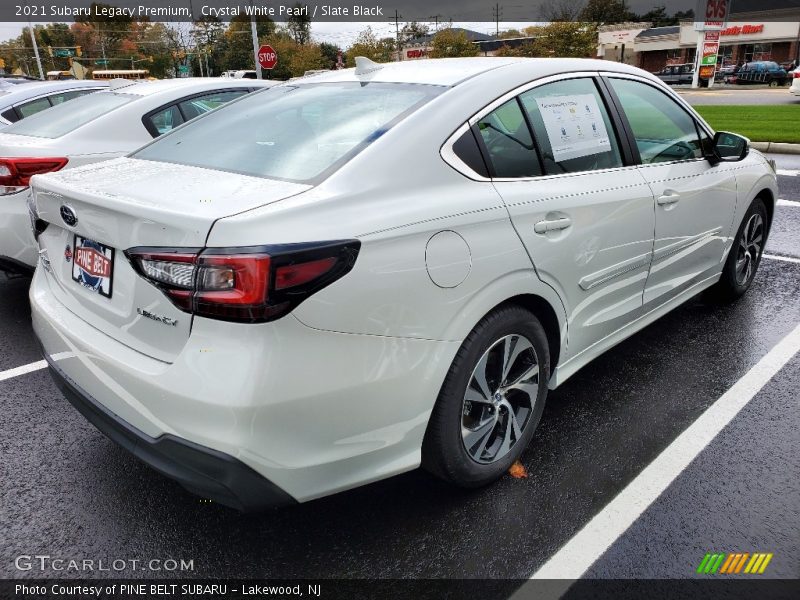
pixel 18 93
pixel 187 84
pixel 454 71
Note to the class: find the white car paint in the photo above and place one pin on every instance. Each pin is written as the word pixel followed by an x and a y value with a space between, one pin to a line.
pixel 110 135
pixel 338 392
pixel 795 87
pixel 14 95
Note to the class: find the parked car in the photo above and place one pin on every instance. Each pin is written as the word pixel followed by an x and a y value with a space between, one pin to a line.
pixel 795 87
pixel 761 71
pixel 677 74
pixel 20 101
pixel 90 129
pixel 727 73
pixel 348 275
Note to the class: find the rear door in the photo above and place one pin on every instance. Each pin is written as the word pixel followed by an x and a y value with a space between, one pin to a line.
pixel 584 213
pixel 695 201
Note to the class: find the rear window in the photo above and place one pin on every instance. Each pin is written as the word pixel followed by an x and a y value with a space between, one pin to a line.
pixel 68 116
pixel 291 132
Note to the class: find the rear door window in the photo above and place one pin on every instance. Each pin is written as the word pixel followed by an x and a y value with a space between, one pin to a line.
pixel 572 127
pixel 508 142
pixel 32 107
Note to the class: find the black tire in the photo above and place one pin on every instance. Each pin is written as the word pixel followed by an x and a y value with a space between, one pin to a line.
pixel 733 283
pixel 444 451
pixel 773 83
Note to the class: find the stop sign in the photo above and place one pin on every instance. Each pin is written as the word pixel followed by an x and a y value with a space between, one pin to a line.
pixel 267 57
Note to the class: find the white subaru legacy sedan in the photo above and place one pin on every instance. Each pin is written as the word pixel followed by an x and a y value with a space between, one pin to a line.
pixel 90 129
pixel 350 275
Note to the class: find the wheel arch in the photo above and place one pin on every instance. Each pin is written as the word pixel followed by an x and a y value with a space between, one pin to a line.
pixel 769 201
pixel 547 316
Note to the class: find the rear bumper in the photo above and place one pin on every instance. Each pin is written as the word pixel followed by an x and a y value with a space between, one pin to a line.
pixel 202 471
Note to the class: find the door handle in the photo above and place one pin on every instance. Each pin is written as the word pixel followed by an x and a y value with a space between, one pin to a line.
pixel 552 225
pixel 668 198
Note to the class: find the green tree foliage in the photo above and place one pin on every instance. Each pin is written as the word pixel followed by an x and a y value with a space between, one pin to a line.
pixel 606 12
pixel 449 43
pixel 299 26
pixel 557 39
pixel 369 46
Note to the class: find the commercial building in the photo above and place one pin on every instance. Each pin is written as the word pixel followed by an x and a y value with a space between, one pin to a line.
pixel 756 30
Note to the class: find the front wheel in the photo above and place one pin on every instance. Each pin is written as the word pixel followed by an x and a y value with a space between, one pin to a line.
pixel 745 255
pixel 491 400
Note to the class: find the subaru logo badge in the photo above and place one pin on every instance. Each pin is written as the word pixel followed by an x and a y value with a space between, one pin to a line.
pixel 68 215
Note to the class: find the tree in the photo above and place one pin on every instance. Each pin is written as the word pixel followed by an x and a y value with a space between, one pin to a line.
pixel 658 17
pixel 206 33
pixel 450 43
pixel 369 46
pixel 558 39
pixel 330 54
pixel 510 33
pixel 561 10
pixel 299 25
pixel 237 45
pixel 606 12
pixel 412 31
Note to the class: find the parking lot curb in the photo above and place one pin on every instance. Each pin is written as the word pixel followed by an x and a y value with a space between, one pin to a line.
pixel 776 147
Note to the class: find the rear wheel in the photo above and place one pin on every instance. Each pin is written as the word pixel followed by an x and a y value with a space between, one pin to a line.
pixel 773 83
pixel 745 256
pixel 491 401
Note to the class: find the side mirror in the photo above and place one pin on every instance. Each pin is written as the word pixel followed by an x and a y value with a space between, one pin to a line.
pixel 727 147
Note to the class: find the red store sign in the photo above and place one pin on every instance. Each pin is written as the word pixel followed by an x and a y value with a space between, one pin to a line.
pixel 742 30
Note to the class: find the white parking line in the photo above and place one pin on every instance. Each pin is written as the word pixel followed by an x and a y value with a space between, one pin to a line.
pixel 790 259
pixel 23 370
pixel 789 172
pixel 794 203
pixel 32 367
pixel 591 542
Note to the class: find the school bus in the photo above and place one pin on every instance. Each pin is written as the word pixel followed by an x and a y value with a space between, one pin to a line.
pixel 121 74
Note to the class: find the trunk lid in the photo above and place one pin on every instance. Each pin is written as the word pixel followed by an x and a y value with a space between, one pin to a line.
pixel 125 203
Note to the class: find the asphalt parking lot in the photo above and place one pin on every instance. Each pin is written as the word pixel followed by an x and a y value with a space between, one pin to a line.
pixel 66 490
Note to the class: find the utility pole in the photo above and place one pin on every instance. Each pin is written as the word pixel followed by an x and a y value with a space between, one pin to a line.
pixel 397 17
pixel 254 33
pixel 496 11
pixel 436 20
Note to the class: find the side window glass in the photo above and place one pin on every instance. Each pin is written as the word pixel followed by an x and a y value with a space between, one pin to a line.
pixel 199 105
pixel 572 127
pixel 466 148
pixel 508 142
pixel 664 131
pixel 66 96
pixel 165 120
pixel 33 107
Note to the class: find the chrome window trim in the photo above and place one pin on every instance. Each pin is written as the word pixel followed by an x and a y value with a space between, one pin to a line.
pixel 451 158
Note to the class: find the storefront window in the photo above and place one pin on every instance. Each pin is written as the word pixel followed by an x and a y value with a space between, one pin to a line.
pixel 757 52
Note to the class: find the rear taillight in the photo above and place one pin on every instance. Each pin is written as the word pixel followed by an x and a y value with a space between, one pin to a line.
pixel 796 74
pixel 252 284
pixel 16 173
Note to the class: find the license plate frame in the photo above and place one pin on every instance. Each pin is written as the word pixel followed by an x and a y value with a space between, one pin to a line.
pixel 93 265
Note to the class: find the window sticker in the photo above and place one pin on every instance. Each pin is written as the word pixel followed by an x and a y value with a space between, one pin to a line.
pixel 574 125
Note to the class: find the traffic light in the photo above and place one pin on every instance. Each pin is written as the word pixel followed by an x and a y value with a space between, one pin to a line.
pixel 50 51
pixel 78 51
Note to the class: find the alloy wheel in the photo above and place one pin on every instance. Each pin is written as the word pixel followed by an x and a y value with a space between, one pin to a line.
pixel 751 243
pixel 500 398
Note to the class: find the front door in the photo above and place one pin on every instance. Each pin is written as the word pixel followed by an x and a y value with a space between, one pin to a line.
pixel 695 201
